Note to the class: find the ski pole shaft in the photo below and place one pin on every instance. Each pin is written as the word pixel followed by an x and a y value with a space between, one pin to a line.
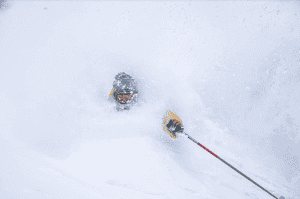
pixel 229 164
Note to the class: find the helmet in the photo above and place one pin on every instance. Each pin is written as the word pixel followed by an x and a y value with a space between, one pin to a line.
pixel 125 88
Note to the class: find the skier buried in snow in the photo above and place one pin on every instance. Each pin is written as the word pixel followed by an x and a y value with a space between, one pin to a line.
pixel 124 91
pixel 125 94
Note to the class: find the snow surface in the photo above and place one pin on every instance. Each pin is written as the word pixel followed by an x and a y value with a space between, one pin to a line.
pixel 230 70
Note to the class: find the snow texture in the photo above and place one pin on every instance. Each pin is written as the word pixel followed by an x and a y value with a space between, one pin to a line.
pixel 229 70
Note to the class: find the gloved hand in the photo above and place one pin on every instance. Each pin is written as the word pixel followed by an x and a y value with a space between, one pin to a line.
pixel 174 126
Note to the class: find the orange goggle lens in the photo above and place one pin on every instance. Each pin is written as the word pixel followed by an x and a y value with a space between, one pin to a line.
pixel 124 98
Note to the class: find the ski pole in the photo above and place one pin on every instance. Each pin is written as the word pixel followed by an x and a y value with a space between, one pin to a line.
pixel 281 197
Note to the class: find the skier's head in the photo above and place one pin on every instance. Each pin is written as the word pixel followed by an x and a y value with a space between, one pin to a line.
pixel 125 88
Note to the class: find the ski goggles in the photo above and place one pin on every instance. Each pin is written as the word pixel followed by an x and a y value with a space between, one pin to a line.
pixel 124 98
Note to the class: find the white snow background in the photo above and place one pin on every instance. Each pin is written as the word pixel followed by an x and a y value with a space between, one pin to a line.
pixel 230 70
